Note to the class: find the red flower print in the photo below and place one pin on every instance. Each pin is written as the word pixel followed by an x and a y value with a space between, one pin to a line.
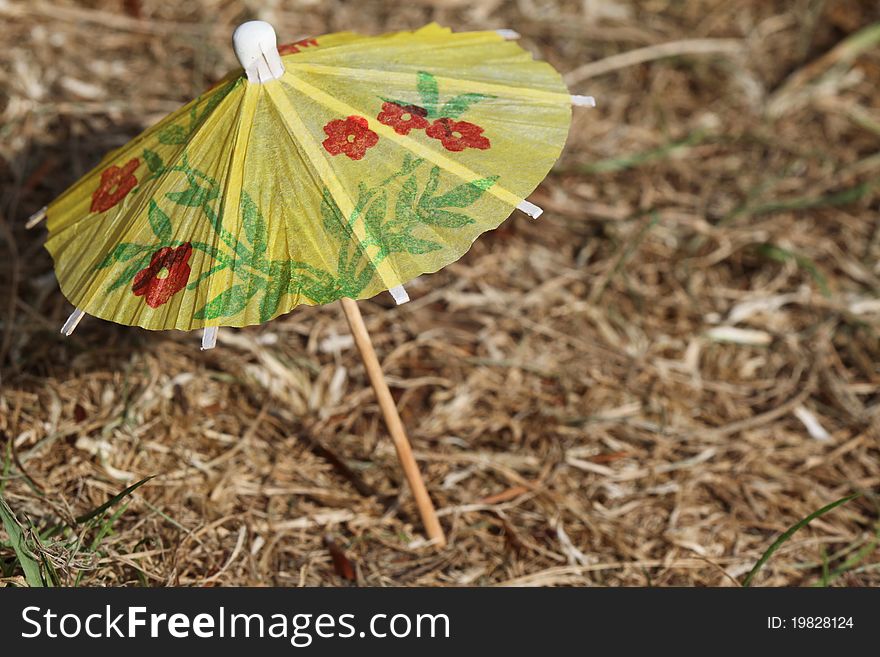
pixel 351 136
pixel 403 118
pixel 291 48
pixel 457 135
pixel 116 182
pixel 156 287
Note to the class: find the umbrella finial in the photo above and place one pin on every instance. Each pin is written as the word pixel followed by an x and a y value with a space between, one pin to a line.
pixel 256 48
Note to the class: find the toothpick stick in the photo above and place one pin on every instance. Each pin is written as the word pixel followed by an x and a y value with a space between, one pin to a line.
pixel 392 421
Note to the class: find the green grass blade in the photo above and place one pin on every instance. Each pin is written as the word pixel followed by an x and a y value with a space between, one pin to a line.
pixel 853 560
pixel 834 199
pixel 105 528
pixel 790 532
pixel 634 160
pixel 29 564
pixel 825 568
pixel 113 500
pixel 777 253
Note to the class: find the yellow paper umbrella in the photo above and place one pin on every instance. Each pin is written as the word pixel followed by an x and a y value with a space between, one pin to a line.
pixel 332 168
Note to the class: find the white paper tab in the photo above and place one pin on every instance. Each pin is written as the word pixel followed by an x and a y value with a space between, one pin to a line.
pixel 530 209
pixel 209 338
pixel 399 294
pixel 36 217
pixel 509 35
pixel 72 321
pixel 583 101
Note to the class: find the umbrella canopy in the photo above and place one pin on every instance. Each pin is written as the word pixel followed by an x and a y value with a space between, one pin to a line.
pixel 331 168
pixel 338 166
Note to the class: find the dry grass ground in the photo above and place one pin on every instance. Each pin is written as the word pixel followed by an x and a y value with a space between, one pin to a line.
pixel 645 387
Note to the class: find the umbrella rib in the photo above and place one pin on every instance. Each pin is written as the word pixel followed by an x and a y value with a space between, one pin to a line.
pixel 229 209
pixel 302 162
pixel 183 230
pixel 475 86
pixel 297 129
pixel 406 142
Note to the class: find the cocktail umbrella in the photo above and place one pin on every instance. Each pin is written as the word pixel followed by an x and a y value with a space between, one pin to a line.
pixel 333 168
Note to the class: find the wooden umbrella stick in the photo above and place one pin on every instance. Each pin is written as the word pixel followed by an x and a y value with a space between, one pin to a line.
pixel 392 420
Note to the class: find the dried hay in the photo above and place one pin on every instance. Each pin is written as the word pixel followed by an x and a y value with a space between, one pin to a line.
pixel 675 363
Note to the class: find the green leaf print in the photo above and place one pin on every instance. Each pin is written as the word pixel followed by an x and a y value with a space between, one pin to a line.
pixel 406 200
pixel 159 222
pixel 429 94
pixel 254 224
pixel 279 283
pixel 461 196
pixel 173 135
pixel 429 91
pixel 154 161
pixel 430 186
pixel 334 222
pixel 129 273
pixel 193 197
pixel 445 219
pixel 411 244
pixel 458 105
pixel 228 303
pixel 375 215
pixel 122 252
